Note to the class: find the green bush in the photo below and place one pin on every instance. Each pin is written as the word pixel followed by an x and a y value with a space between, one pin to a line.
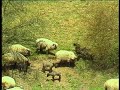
pixel 102 26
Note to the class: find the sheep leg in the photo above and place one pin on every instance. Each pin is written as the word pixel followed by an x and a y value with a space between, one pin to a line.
pixel 50 69
pixel 12 72
pixel 47 52
pixel 53 78
pixel 20 70
pixel 105 88
pixel 43 69
pixel 47 74
pixel 69 64
pixel 59 78
pixel 25 69
pixel 56 65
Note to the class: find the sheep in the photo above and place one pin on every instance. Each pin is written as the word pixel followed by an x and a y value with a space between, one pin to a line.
pixel 112 84
pixel 40 46
pixel 45 45
pixel 77 48
pixel 15 88
pixel 13 60
pixel 47 66
pixel 9 66
pixel 21 49
pixel 8 61
pixel 8 82
pixel 8 57
pixel 53 74
pixel 83 52
pixel 23 66
pixel 65 57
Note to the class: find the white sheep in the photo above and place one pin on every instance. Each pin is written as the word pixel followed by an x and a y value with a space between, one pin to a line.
pixel 65 56
pixel 112 84
pixel 14 60
pixel 7 57
pixel 21 49
pixel 8 82
pixel 46 45
pixel 15 88
pixel 13 57
pixel 8 61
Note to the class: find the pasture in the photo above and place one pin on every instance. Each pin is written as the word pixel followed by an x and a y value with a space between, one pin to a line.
pixel 92 24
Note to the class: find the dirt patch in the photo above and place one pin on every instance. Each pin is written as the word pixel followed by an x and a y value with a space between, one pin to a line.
pixel 36 75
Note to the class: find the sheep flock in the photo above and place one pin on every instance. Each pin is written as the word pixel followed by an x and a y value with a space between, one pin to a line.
pixel 17 57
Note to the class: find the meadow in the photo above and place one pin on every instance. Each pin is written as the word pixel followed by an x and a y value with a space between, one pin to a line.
pixel 92 24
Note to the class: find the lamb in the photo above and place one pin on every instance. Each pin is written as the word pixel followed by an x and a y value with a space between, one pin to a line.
pixel 53 74
pixel 112 84
pixel 65 57
pixel 8 82
pixel 47 66
pixel 23 66
pixel 83 52
pixel 21 49
pixel 77 48
pixel 45 45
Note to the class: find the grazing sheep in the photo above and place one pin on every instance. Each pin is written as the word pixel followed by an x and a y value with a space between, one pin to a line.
pixel 47 66
pixel 45 45
pixel 53 74
pixel 8 61
pixel 41 46
pixel 9 66
pixel 77 48
pixel 112 84
pixel 65 57
pixel 15 88
pixel 8 57
pixel 23 66
pixel 83 52
pixel 8 82
pixel 12 61
pixel 21 49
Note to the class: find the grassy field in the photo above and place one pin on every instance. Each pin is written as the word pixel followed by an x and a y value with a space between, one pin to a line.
pixel 64 22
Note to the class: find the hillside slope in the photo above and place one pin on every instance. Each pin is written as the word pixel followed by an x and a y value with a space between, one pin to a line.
pixel 64 22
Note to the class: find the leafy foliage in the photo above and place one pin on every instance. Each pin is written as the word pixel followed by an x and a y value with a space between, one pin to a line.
pixel 103 33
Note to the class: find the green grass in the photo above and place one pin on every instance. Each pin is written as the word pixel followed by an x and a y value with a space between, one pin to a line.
pixel 65 23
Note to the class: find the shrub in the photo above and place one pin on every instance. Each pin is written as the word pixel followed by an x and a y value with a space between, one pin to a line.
pixel 102 33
